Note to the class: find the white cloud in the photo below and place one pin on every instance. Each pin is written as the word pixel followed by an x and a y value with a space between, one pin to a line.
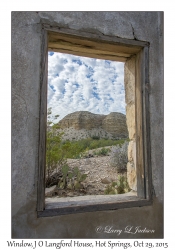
pixel 87 84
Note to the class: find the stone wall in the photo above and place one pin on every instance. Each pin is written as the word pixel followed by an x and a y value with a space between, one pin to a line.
pixel 130 120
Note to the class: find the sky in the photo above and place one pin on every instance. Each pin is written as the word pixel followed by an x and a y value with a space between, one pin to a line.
pixel 84 84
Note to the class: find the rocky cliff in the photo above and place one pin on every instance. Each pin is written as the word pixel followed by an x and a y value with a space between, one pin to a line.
pixel 82 120
pixel 115 123
pixel 83 124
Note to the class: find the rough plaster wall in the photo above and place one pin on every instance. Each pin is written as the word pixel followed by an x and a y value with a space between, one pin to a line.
pixel 145 26
pixel 25 106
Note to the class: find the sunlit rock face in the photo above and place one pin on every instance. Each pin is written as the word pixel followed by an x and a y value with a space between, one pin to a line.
pixel 115 123
pixel 82 120
pixel 111 126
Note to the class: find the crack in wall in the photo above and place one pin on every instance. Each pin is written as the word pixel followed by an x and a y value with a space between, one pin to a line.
pixel 133 32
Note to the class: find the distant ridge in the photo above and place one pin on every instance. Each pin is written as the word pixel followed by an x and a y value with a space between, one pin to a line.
pixel 89 124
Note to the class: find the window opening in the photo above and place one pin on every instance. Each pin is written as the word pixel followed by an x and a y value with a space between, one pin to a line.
pixel 87 136
pixel 136 81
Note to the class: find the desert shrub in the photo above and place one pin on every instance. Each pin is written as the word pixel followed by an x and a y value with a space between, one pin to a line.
pixel 77 148
pixel 71 178
pixel 122 185
pixel 95 137
pixel 119 187
pixel 94 144
pixel 103 151
pixel 119 156
pixel 110 190
pixel 56 152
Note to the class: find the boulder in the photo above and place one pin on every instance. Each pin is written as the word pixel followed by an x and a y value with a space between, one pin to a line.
pixel 106 180
pixel 49 192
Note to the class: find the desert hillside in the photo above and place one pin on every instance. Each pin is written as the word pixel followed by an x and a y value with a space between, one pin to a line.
pixel 84 124
pixel 89 157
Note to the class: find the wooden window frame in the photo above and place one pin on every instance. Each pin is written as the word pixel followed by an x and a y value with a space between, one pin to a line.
pixel 102 47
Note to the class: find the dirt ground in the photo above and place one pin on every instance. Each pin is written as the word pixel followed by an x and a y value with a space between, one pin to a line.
pixel 99 173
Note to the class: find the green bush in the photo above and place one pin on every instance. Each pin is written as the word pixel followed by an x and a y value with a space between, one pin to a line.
pixel 119 156
pixel 119 187
pixel 95 137
pixel 71 178
pixel 56 152
pixel 77 148
pixel 103 151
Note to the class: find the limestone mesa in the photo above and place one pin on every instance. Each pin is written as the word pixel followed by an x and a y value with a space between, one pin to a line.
pixel 89 124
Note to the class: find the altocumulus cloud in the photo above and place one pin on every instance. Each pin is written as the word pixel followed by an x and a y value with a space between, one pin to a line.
pixel 84 84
